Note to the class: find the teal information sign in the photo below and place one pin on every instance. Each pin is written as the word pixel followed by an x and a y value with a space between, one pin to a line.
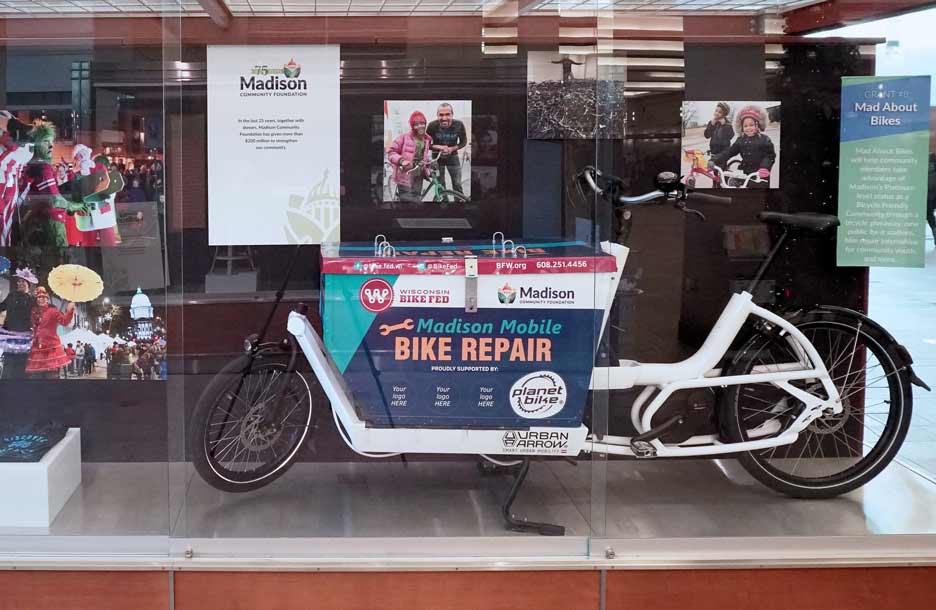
pixel 883 171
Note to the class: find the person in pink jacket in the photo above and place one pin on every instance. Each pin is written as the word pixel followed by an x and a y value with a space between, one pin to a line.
pixel 403 154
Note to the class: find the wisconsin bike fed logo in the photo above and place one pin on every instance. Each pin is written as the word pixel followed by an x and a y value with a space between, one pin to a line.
pixel 538 395
pixel 376 295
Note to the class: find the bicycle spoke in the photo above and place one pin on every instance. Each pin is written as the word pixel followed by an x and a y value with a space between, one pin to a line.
pixel 233 444
pixel 802 451
pixel 226 438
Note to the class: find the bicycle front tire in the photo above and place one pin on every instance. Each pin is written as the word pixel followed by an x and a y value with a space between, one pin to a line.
pixel 224 444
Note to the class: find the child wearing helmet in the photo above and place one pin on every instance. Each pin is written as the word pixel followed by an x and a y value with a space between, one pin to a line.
pixel 718 131
pixel 753 145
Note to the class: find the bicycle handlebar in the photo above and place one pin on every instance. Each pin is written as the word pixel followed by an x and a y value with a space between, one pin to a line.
pixel 619 200
pixel 706 198
pixel 671 188
pixel 433 158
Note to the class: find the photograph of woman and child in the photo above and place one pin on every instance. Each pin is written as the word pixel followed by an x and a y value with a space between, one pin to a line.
pixel 734 144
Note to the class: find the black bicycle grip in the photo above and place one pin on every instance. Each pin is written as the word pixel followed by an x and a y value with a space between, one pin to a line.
pixel 706 198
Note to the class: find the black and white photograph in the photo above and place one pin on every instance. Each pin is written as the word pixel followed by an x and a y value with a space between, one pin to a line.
pixel 567 99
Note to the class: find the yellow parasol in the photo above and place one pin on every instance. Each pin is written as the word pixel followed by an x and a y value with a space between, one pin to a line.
pixel 75 283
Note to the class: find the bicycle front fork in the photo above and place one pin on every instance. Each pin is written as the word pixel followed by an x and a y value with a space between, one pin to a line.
pixel 273 418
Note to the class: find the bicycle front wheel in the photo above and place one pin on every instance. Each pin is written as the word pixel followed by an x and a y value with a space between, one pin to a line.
pixel 836 453
pixel 230 448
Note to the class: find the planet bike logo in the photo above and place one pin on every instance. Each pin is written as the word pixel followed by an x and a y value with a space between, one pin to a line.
pixel 506 294
pixel 376 295
pixel 538 395
pixel 535 441
pixel 264 78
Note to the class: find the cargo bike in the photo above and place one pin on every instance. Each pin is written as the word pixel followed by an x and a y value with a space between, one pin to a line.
pixel 490 350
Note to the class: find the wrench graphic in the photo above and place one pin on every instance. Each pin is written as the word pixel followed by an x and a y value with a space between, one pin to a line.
pixel 386 329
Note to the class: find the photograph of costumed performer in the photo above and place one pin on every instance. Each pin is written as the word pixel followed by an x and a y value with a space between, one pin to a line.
pixel 96 189
pixel 47 355
pixel 13 158
pixel 404 153
pixel 753 145
pixel 47 218
pixel 16 336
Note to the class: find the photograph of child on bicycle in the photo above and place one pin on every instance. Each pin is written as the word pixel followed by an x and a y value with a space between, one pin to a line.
pixel 731 144
pixel 427 151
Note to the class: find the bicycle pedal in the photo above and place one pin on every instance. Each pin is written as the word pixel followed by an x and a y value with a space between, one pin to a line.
pixel 643 449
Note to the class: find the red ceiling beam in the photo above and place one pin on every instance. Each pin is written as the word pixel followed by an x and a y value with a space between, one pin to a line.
pixel 155 32
pixel 835 13
pixel 218 11
pixel 79 32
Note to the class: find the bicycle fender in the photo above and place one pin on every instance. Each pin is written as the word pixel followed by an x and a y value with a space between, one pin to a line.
pixel 899 352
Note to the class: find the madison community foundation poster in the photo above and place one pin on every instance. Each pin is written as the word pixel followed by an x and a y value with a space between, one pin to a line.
pixel 273 145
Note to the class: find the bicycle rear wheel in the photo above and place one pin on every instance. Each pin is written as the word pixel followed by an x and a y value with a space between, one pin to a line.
pixel 229 448
pixel 456 197
pixel 836 453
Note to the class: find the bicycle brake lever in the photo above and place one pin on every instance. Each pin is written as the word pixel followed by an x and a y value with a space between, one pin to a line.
pixel 681 206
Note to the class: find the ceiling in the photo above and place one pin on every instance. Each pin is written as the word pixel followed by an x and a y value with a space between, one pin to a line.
pixel 192 8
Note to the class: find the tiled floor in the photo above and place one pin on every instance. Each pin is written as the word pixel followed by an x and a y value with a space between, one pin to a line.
pixel 904 301
pixel 644 499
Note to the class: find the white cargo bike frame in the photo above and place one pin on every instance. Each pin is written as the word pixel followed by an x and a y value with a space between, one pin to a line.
pixel 697 371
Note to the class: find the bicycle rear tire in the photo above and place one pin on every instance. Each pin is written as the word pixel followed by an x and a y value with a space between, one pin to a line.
pixel 828 446
pixel 456 196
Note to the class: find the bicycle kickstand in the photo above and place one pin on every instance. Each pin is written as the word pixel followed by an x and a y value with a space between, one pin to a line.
pixel 516 523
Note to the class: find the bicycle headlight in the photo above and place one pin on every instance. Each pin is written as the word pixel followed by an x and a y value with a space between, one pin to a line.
pixel 250 343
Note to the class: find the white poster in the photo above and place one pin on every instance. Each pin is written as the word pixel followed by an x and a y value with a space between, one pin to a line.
pixel 273 145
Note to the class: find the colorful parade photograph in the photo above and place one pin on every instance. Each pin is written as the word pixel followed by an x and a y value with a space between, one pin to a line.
pixel 58 322
pixel 58 192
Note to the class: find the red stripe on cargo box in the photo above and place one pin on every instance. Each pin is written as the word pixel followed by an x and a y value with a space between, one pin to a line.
pixel 456 266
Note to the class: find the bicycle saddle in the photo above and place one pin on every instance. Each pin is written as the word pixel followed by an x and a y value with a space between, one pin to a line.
pixel 818 223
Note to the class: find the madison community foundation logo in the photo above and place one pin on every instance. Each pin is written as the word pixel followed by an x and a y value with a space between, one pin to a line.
pixel 506 294
pixel 264 80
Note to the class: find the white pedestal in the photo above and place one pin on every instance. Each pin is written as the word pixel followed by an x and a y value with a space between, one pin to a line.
pixel 34 492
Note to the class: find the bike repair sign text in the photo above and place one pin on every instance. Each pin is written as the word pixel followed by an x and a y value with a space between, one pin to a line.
pixel 412 355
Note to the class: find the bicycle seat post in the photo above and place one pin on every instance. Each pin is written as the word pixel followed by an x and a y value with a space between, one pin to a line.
pixel 752 286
